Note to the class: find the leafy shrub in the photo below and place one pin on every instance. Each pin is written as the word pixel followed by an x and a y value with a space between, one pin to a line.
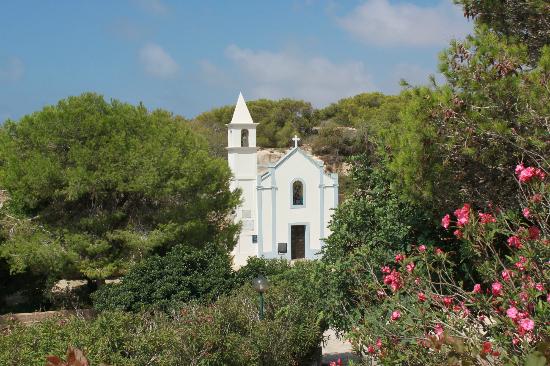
pixel 96 186
pixel 368 229
pixel 415 310
pixel 226 332
pixel 183 274
pixel 256 266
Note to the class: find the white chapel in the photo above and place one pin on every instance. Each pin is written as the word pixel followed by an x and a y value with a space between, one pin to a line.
pixel 286 210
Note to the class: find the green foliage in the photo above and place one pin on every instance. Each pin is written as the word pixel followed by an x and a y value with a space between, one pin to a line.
pixel 97 186
pixel 375 217
pixel 336 141
pixel 369 114
pixel 225 333
pixel 458 141
pixel 278 122
pixel 368 229
pixel 259 266
pixel 371 109
pixel 185 273
pixel 525 21
pixel 417 304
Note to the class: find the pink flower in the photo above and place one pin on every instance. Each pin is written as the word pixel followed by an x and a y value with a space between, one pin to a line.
pixel 410 267
pixel 548 297
pixel 539 287
pixel 439 251
pixel 458 234
pixel 417 281
pixel 421 297
pixel 477 288
pixel 524 296
pixel 537 198
pixel 506 275
pixel 386 269
pixel 526 212
pixel 371 350
pixel 399 258
pixel 534 233
pixel 446 221
pixel 422 248
pixel 540 174
pixel 379 343
pixel 525 325
pixel 520 264
pixel 396 314
pixel 393 280
pixel 514 242
pixel 512 313
pixel 486 218
pixel 447 301
pixel 526 174
pixel 496 288
pixel 463 215
pixel 519 168
pixel 438 329
pixel 515 341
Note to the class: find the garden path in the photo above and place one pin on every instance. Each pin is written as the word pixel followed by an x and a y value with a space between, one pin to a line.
pixel 335 348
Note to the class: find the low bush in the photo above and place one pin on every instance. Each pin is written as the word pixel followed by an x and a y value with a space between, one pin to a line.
pixel 226 332
pixel 185 273
pixel 256 266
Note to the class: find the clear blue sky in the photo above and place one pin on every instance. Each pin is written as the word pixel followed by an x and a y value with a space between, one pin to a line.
pixel 189 56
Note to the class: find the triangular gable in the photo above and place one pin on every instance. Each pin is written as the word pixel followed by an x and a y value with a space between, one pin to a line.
pixel 294 150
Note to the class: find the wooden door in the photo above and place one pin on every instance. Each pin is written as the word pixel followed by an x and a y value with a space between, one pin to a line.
pixel 297 241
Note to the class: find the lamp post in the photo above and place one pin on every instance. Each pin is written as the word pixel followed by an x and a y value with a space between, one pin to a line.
pixel 260 285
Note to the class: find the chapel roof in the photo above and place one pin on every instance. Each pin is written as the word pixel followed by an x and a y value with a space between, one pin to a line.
pixel 263 169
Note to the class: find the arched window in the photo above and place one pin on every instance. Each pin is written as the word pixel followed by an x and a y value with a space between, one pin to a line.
pixel 244 138
pixel 297 193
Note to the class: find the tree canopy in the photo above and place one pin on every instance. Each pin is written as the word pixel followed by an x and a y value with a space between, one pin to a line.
pixel 95 186
pixel 458 141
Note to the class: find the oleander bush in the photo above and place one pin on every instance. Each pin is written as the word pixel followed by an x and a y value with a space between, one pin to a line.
pixel 226 332
pixel 416 310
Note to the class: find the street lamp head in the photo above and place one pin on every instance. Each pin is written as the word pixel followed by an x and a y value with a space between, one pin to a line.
pixel 260 284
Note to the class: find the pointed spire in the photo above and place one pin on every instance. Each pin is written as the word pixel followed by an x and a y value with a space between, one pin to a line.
pixel 241 114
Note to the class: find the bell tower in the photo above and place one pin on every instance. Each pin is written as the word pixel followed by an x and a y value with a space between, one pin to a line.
pixel 243 162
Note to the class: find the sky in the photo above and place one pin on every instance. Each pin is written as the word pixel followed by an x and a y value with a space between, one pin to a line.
pixel 191 56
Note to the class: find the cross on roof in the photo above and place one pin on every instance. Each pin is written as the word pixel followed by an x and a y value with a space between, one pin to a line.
pixel 295 139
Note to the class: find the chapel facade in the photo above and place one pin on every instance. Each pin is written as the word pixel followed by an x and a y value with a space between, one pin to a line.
pixel 286 210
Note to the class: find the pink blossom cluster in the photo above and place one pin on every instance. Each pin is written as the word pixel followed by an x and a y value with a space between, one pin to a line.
pixel 522 320
pixel 395 315
pixel 462 215
pixel 392 279
pixel 525 175
pixel 486 218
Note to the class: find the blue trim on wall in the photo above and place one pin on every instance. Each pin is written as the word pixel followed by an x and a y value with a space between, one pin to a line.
pixel 335 180
pixel 321 206
pixel 273 211
pixel 259 194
